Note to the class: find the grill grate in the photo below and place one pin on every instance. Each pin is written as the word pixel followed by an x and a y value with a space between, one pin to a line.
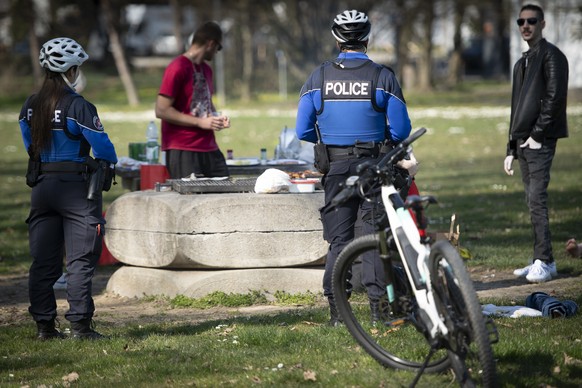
pixel 214 186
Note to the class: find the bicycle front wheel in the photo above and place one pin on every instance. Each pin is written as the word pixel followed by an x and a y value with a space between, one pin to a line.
pixel 468 342
pixel 397 340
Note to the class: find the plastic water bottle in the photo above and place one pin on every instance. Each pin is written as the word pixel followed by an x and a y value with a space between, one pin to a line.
pixel 152 146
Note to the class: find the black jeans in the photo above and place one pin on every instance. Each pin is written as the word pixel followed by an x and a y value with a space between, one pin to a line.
pixel 550 306
pixel 535 168
pixel 338 228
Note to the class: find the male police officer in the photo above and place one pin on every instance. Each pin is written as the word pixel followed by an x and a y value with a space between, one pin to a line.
pixel 350 101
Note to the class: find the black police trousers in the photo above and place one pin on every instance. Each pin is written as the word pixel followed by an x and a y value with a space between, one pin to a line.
pixel 63 223
pixel 339 227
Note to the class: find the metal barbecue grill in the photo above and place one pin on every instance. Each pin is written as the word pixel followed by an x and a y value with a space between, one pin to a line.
pixel 245 185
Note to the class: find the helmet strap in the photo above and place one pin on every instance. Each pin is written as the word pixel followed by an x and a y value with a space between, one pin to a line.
pixel 66 79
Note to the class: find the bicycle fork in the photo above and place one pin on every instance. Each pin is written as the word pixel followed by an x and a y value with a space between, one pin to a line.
pixel 414 256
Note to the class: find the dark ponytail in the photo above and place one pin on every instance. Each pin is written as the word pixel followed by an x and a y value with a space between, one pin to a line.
pixel 43 107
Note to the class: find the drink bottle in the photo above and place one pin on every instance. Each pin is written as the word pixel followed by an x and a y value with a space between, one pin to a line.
pixel 152 146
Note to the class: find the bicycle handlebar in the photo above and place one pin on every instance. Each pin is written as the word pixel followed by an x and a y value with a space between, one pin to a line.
pixel 399 150
pixel 393 156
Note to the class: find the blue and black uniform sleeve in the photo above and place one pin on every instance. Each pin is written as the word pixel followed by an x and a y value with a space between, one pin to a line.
pixel 23 121
pixel 82 119
pixel 306 112
pixel 396 111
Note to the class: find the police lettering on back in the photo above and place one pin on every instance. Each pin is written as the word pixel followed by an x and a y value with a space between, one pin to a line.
pixel 347 90
pixel 56 118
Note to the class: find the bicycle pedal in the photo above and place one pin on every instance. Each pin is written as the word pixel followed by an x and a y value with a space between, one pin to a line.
pixel 397 322
pixel 389 325
pixel 492 332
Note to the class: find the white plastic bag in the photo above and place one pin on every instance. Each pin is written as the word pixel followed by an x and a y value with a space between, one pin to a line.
pixel 289 145
pixel 510 311
pixel 272 181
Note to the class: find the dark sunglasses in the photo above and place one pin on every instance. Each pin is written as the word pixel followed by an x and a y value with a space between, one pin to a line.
pixel 530 21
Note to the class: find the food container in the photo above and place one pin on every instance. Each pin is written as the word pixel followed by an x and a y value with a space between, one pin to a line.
pixel 303 185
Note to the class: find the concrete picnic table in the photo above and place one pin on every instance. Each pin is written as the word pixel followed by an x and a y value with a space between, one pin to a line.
pixel 196 243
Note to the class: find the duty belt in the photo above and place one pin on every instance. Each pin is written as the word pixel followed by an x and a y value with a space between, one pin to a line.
pixel 360 150
pixel 62 167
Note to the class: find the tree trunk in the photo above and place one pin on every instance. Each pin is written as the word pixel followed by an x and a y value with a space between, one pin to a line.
pixel 247 51
pixel 456 60
pixel 118 55
pixel 403 34
pixel 34 47
pixel 177 16
pixel 425 65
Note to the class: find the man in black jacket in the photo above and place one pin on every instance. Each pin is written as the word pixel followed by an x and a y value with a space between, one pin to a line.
pixel 538 120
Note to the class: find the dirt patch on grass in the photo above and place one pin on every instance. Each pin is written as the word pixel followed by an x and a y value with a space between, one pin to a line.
pixel 113 309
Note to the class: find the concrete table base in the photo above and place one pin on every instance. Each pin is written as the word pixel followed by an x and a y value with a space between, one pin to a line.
pixel 138 282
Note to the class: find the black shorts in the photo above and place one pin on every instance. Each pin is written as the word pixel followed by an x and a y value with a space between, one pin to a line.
pixel 182 164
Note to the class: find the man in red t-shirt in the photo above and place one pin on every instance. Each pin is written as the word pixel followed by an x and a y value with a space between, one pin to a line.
pixel 184 105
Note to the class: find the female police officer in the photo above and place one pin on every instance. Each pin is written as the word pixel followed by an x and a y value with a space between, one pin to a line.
pixel 59 129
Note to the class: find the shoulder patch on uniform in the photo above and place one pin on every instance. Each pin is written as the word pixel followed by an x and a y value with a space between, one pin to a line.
pixel 97 123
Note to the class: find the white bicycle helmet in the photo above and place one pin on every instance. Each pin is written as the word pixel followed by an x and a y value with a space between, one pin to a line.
pixel 351 27
pixel 60 54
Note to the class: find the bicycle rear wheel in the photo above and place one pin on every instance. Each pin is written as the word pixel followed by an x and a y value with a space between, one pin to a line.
pixel 468 342
pixel 398 340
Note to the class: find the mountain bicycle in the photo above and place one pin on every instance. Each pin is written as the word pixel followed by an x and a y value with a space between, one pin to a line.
pixel 430 319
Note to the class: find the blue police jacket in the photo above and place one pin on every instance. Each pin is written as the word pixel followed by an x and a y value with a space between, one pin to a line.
pixel 352 99
pixel 76 129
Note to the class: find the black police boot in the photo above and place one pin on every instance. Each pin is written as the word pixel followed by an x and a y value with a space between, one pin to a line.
pixel 335 319
pixel 47 330
pixel 84 329
pixel 379 311
pixel 374 311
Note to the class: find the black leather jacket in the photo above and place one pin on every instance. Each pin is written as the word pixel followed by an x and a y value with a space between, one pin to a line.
pixel 539 96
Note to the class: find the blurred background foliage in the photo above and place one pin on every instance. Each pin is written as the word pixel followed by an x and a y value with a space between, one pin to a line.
pixel 269 46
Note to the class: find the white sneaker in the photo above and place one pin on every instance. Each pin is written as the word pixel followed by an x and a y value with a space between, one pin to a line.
pixel 540 272
pixel 61 283
pixel 522 272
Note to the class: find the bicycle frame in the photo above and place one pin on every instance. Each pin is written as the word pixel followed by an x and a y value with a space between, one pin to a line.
pixel 436 298
pixel 414 256
pixel 413 252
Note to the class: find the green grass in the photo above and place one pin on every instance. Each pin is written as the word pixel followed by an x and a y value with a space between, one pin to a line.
pixel 219 298
pixel 279 350
pixel 461 163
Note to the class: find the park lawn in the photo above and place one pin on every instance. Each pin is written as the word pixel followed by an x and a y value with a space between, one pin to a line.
pixel 461 164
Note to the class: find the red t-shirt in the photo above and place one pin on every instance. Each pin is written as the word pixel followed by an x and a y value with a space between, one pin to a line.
pixel 191 88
